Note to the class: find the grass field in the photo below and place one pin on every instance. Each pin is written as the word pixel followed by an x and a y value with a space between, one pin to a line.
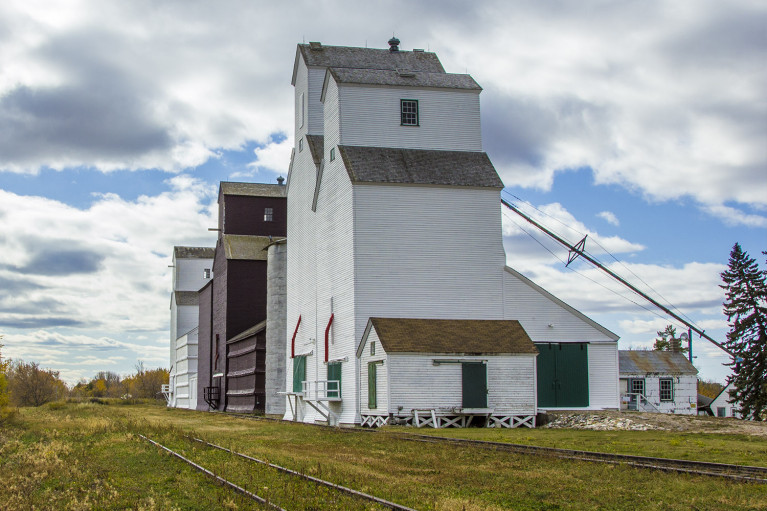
pixel 88 456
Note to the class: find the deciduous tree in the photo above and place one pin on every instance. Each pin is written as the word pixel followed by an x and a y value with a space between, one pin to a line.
pixel 32 386
pixel 745 306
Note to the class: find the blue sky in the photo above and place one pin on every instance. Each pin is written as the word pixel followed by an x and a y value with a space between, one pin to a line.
pixel 643 125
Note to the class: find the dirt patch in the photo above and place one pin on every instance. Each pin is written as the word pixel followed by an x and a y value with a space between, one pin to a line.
pixel 614 420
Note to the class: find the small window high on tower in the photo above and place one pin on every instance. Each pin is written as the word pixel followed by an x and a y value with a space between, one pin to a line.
pixel 409 111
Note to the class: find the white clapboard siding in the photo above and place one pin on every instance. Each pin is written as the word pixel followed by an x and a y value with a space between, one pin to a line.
pixel 335 281
pixel 603 376
pixel 190 273
pixel 544 317
pixel 382 377
pixel 684 388
pixel 309 85
pixel 187 319
pixel 448 119
pixel 427 252
pixel 415 382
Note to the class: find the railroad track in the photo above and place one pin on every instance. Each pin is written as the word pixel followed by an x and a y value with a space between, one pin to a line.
pixel 743 473
pixel 293 473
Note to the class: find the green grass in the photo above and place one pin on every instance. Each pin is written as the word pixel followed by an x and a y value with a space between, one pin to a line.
pixel 715 447
pixel 88 456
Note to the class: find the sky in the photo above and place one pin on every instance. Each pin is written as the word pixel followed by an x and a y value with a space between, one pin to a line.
pixel 640 124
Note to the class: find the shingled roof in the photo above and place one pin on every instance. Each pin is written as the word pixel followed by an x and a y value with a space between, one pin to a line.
pixel 247 248
pixel 193 252
pixel 401 78
pixel 418 166
pixel 654 362
pixel 404 335
pixel 366 58
pixel 251 189
pixel 186 297
pixel 316 145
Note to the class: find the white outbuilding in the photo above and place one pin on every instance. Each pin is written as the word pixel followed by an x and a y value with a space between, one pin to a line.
pixel 658 381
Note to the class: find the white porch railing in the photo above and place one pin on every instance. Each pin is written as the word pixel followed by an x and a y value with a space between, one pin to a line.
pixel 321 390
pixel 636 400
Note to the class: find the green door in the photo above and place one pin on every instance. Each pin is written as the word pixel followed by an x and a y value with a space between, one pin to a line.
pixel 563 375
pixel 299 372
pixel 334 379
pixel 372 402
pixel 474 376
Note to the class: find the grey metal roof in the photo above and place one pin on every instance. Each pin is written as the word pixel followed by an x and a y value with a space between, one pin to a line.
pixel 186 297
pixel 193 252
pixel 406 335
pixel 258 327
pixel 316 145
pixel 654 362
pixel 367 58
pixel 396 78
pixel 244 247
pixel 252 189
pixel 418 166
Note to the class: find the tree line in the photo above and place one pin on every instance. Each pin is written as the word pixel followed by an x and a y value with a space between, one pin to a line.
pixel 27 384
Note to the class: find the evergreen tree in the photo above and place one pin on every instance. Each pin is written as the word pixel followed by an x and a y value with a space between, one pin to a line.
pixel 745 306
pixel 668 341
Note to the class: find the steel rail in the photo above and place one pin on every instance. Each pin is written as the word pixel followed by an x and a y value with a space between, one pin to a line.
pixel 338 487
pixel 744 473
pixel 737 472
pixel 217 478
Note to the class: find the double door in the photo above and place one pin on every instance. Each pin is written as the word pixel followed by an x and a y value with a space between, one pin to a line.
pixel 563 375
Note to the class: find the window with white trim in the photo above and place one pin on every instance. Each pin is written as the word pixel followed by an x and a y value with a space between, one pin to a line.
pixel 408 112
pixel 637 386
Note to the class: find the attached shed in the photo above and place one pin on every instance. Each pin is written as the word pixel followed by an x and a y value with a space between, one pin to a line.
pixel 440 373
pixel 658 381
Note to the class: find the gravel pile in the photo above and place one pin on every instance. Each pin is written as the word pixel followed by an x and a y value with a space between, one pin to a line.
pixel 598 422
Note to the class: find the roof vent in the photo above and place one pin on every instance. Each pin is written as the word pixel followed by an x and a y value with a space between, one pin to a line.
pixel 280 180
pixel 393 44
pixel 419 50
pixel 315 45
pixel 404 73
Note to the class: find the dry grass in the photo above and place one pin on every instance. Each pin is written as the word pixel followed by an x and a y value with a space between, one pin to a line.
pixel 111 469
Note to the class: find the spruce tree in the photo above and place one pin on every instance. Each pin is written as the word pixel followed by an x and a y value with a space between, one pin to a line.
pixel 745 306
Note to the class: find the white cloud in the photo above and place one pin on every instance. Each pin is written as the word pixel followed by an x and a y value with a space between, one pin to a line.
pixel 275 157
pixel 609 217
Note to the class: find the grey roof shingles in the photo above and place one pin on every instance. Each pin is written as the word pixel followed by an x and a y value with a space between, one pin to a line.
pixel 654 362
pixel 370 58
pixel 186 297
pixel 395 78
pixel 418 166
pixel 193 252
pixel 252 189
pixel 406 335
pixel 316 145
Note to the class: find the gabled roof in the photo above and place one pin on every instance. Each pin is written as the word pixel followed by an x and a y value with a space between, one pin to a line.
pixel 251 189
pixel 418 166
pixel 654 362
pixel 407 335
pixel 244 247
pixel 186 297
pixel 401 78
pixel 193 252
pixel 258 327
pixel 317 55
pixel 572 310
pixel 316 145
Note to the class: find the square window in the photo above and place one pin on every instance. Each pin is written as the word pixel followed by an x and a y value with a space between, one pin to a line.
pixel 637 386
pixel 268 214
pixel 720 411
pixel 409 112
pixel 666 389
pixel 333 154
